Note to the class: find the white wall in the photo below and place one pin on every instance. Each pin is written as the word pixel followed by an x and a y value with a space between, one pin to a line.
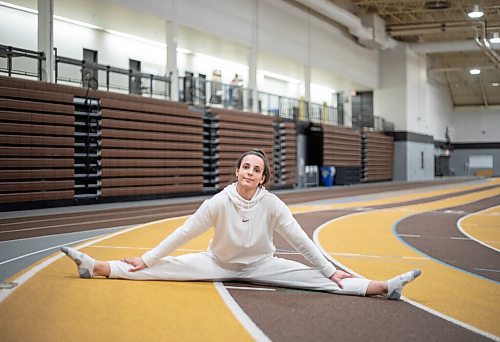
pixel 390 100
pixel 476 125
pixel 416 100
pixel 282 30
pixel 222 29
pixel 10 34
pixel 416 170
pixel 408 161
pixel 440 112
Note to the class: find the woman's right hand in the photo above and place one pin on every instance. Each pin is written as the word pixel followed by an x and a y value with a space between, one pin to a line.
pixel 137 262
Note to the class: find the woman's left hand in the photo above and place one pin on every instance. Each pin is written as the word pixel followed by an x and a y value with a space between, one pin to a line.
pixel 338 276
pixel 137 262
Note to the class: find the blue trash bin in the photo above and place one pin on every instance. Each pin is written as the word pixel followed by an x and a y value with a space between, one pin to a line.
pixel 327 175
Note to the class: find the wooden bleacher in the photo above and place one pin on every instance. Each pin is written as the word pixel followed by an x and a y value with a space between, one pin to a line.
pixel 379 151
pixel 36 142
pixel 238 133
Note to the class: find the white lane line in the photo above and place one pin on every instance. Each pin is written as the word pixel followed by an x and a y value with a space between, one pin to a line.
pixel 356 255
pixel 410 235
pixel 80 223
pixel 487 270
pixel 104 230
pixel 459 226
pixel 240 315
pixel 419 236
pixel 145 248
pixel 64 218
pixel 4 293
pixel 249 288
pixel 182 249
pixel 418 305
pixel 45 249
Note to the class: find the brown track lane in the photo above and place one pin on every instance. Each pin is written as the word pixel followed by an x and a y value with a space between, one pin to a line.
pixel 41 225
pixel 312 316
pixel 436 230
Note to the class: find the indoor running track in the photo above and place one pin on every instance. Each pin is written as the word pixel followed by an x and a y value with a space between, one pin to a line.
pixel 451 232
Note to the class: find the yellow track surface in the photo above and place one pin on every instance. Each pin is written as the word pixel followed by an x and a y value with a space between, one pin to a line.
pixel 365 244
pixel 54 304
pixel 484 226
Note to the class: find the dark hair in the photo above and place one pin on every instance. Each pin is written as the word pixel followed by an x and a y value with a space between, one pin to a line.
pixel 261 154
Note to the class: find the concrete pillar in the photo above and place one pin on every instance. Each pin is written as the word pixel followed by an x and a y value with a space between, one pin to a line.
pixel 46 38
pixel 349 88
pixel 253 57
pixel 307 83
pixel 172 69
pixel 252 78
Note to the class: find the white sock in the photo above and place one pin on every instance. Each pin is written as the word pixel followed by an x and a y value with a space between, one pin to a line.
pixel 83 261
pixel 396 284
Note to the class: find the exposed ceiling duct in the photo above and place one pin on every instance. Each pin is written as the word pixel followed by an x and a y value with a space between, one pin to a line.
pixel 373 36
pixel 453 42
pixel 479 28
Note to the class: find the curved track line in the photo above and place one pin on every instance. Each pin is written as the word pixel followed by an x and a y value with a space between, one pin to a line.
pixel 471 236
pixel 299 209
pixel 344 234
pixel 234 323
pixel 240 315
pixel 409 301
pixel 257 334
pixel 27 274
pixel 429 257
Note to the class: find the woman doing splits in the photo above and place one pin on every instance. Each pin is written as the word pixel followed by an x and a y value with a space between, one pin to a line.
pixel 244 216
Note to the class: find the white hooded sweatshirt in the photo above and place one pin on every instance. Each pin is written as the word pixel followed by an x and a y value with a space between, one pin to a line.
pixel 243 231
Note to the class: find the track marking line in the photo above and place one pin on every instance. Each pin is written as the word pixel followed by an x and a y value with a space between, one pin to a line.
pixel 236 310
pixel 377 256
pixel 46 249
pixel 487 270
pixel 462 230
pixel 421 306
pixel 146 248
pixel 105 230
pixel 87 222
pixel 249 288
pixel 64 218
pixel 283 252
pixel 4 293
pixel 240 315
pixel 410 235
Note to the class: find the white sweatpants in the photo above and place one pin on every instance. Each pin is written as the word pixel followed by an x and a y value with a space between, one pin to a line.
pixel 271 271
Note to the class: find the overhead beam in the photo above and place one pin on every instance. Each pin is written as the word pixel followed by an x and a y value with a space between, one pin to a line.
pixel 450 87
pixel 483 93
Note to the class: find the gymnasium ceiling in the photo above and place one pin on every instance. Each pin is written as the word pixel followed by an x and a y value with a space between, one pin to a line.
pixel 444 31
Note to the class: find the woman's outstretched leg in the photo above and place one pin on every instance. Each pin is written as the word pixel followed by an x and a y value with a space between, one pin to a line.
pixel 88 267
pixel 187 267
pixel 288 273
pixel 391 288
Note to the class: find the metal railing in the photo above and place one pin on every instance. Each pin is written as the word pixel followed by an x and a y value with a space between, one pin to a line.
pixel 202 92
pixel 10 53
pixel 115 79
pixel 197 91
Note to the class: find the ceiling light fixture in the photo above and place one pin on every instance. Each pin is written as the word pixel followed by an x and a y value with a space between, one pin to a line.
pixel 474 71
pixel 476 12
pixel 437 4
pixel 495 84
pixel 496 38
